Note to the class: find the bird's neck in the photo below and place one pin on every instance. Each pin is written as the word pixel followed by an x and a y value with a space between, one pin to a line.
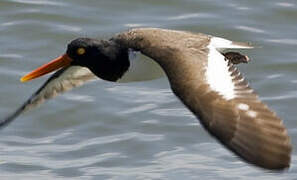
pixel 112 62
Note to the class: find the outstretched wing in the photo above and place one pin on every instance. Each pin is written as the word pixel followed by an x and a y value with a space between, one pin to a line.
pixel 239 120
pixel 63 80
pixel 215 91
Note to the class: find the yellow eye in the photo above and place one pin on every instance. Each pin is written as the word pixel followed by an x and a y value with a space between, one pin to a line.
pixel 81 51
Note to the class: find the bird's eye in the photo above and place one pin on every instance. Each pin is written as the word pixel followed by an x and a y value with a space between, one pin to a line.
pixel 81 51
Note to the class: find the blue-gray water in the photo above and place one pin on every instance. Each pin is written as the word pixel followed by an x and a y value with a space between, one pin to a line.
pixel 136 130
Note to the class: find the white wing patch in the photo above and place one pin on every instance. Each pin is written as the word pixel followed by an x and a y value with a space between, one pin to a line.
pixel 243 107
pixel 252 114
pixel 217 73
pixel 221 44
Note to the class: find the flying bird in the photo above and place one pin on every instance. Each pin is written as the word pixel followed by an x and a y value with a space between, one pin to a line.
pixel 201 74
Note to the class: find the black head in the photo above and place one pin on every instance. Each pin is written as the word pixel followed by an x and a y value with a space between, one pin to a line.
pixel 105 59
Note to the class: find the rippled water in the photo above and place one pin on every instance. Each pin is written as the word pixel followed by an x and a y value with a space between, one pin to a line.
pixel 136 130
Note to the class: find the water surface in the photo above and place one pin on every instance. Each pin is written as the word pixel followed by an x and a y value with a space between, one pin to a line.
pixel 137 130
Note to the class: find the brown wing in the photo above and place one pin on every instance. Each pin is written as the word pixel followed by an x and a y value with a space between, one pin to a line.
pixel 216 93
pixel 61 81
pixel 246 125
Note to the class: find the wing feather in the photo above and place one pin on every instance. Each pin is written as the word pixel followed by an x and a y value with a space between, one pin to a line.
pixel 63 80
pixel 247 126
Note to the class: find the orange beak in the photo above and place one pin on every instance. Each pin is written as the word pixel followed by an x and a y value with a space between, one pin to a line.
pixel 61 61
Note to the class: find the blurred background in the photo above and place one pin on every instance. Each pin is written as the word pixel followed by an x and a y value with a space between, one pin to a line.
pixel 135 130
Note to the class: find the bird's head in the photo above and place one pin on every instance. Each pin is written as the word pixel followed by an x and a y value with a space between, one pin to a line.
pixel 105 59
